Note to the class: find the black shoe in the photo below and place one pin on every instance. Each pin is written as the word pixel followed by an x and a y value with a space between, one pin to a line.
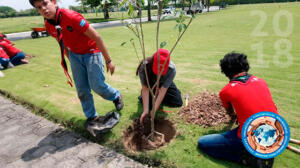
pixel 264 163
pixel 119 104
pixel 255 162
pixel 102 124
pixel 92 124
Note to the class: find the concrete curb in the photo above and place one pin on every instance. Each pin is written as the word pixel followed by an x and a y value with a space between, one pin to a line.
pixel 32 141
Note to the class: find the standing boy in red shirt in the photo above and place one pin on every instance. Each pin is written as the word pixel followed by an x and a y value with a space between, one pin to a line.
pixel 245 95
pixel 85 48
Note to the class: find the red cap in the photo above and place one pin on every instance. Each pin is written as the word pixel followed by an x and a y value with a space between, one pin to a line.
pixel 163 55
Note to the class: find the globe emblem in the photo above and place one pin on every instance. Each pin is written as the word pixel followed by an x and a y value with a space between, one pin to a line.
pixel 265 134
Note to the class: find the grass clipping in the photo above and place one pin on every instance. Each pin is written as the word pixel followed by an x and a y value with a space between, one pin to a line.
pixel 206 110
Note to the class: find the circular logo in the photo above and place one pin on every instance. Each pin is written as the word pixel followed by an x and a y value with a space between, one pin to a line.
pixel 265 135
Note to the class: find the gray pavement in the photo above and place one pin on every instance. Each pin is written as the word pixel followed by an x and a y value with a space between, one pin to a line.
pixel 29 141
pixel 27 35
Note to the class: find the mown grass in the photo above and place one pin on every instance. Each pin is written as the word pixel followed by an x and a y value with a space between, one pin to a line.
pixel 211 35
pixel 21 24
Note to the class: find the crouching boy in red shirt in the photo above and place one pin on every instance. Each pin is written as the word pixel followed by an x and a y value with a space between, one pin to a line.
pixel 85 48
pixel 245 95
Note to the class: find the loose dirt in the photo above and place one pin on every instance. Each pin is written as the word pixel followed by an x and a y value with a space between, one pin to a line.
pixel 206 110
pixel 135 137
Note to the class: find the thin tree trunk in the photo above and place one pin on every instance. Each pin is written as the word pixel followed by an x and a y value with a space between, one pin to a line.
pixel 208 5
pixel 149 10
pixel 106 12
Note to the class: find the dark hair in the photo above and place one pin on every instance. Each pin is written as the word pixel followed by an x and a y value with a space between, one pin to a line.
pixel 33 1
pixel 234 63
pixel 149 63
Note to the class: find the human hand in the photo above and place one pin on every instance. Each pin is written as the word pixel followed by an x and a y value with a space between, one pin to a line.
pixel 110 67
pixel 143 116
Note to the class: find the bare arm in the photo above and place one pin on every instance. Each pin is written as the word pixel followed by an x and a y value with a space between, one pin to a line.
pixel 91 33
pixel 145 97
pixel 161 94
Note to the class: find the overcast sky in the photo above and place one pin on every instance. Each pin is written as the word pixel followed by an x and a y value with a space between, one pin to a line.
pixel 24 4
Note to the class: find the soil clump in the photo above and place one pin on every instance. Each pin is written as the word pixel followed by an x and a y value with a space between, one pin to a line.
pixel 206 110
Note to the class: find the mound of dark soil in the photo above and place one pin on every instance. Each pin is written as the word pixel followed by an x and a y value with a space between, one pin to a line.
pixel 205 109
pixel 135 137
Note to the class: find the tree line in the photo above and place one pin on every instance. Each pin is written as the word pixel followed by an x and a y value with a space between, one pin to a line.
pixel 6 11
pixel 107 6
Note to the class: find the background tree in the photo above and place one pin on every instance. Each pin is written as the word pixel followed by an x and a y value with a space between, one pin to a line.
pixel 6 11
pixel 149 10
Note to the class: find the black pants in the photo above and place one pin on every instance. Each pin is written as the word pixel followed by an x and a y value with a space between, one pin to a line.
pixel 171 99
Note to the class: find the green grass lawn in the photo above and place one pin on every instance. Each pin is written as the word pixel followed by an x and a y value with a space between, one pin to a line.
pixel 211 35
pixel 21 24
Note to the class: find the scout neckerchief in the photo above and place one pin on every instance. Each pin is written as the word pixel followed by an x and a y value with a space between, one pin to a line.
pixel 242 77
pixel 61 44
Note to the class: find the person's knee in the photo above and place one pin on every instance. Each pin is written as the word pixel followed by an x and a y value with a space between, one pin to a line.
pixel 179 102
pixel 99 88
pixel 202 143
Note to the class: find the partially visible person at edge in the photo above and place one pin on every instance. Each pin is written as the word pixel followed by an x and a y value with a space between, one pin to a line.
pixel 245 95
pixel 4 59
pixel 168 94
pixel 16 56
pixel 4 37
pixel 84 47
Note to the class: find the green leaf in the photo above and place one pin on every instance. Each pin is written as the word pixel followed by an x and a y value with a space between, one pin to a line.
pixel 180 28
pixel 178 20
pixel 131 40
pixel 142 2
pixel 184 26
pixel 123 2
pixel 162 44
pixel 130 10
pixel 123 43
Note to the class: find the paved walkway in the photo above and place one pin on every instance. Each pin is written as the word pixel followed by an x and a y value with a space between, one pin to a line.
pixel 27 35
pixel 31 141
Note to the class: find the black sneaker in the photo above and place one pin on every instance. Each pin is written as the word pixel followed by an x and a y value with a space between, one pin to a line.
pixel 119 104
pixel 92 124
pixel 102 124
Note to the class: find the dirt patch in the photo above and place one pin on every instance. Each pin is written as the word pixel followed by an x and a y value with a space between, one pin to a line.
pixel 205 109
pixel 135 137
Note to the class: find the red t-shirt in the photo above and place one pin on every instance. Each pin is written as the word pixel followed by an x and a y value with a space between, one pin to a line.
pixel 3 53
pixel 9 49
pixel 247 99
pixel 73 25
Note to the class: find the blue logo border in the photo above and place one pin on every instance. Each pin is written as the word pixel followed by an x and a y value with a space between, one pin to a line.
pixel 284 144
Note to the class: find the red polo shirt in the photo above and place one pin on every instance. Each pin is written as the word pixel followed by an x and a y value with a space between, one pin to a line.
pixel 3 53
pixel 9 49
pixel 73 25
pixel 247 99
